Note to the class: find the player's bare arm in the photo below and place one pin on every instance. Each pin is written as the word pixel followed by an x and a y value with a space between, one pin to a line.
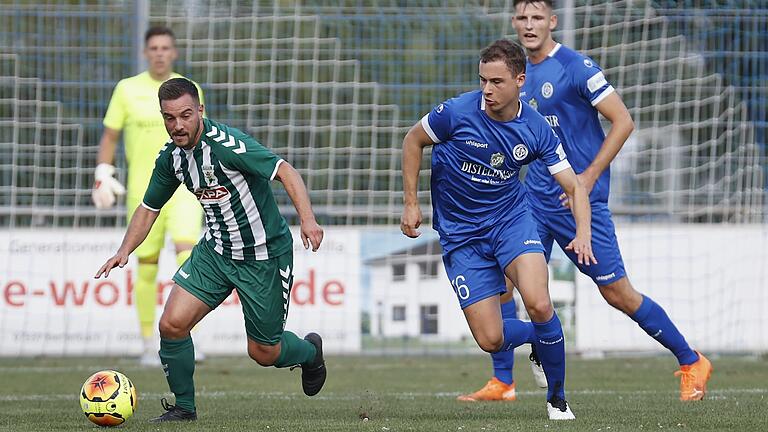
pixel 582 213
pixel 311 232
pixel 613 109
pixel 141 223
pixel 413 151
pixel 108 146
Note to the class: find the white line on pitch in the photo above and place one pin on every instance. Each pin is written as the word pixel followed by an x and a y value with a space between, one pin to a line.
pixel 372 395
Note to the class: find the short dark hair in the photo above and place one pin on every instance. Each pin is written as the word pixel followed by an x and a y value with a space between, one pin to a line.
pixel 511 53
pixel 175 88
pixel 158 31
pixel 549 3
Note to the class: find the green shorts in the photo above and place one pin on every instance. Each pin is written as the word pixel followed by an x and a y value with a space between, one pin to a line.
pixel 262 286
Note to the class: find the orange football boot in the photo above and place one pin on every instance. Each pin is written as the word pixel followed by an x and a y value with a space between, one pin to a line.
pixel 693 379
pixel 494 390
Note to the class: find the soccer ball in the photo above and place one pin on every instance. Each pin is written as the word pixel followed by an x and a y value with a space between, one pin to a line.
pixel 108 398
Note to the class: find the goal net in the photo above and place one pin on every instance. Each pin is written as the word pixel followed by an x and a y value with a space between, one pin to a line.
pixel 333 87
pixel 688 187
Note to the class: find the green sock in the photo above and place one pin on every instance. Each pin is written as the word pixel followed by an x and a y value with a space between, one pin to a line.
pixel 294 351
pixel 178 357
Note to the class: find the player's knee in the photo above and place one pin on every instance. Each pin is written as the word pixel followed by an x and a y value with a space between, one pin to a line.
pixel 491 343
pixel 621 296
pixel 539 310
pixel 264 355
pixel 172 329
pixel 611 296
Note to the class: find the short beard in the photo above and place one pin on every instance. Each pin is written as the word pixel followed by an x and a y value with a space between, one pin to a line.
pixel 192 135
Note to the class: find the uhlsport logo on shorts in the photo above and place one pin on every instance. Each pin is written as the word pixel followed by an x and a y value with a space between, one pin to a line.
pixel 606 277
pixel 520 152
pixel 212 195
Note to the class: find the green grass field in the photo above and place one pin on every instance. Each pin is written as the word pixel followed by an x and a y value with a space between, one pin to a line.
pixel 397 394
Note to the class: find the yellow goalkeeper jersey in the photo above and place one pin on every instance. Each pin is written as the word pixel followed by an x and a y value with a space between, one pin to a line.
pixel 135 110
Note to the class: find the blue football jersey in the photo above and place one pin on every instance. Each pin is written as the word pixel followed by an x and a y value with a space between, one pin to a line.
pixel 476 163
pixel 565 88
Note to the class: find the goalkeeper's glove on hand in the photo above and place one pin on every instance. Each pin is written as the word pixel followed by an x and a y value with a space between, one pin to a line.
pixel 106 187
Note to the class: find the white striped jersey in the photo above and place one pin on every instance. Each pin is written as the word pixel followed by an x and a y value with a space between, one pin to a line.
pixel 230 173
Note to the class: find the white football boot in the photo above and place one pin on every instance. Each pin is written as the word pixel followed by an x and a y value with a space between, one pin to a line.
pixel 558 409
pixel 537 369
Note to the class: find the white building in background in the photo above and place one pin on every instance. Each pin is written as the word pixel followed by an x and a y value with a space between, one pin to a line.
pixel 412 296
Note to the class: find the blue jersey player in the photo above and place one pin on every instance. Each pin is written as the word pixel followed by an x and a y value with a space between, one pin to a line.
pixel 481 140
pixel 569 90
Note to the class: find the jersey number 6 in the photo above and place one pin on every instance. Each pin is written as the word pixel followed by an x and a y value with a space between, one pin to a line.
pixel 462 290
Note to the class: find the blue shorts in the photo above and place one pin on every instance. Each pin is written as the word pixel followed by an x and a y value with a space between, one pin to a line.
pixel 476 268
pixel 562 229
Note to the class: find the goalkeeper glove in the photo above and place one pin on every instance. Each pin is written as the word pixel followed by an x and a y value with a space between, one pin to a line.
pixel 106 186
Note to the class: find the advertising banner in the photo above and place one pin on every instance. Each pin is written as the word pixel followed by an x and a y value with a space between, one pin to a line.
pixel 50 303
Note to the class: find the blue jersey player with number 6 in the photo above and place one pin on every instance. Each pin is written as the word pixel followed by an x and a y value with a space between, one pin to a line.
pixel 569 90
pixel 481 140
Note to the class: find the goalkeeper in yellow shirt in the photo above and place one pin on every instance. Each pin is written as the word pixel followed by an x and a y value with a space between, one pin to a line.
pixel 133 110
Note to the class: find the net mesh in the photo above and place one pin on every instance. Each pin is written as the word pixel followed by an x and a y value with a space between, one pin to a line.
pixel 334 86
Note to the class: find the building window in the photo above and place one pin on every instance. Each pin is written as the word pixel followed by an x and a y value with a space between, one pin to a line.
pixel 428 269
pixel 398 272
pixel 428 324
pixel 398 313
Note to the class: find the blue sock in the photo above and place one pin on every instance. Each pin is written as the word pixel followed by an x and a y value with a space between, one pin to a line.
pixel 503 361
pixel 516 333
pixel 550 346
pixel 652 318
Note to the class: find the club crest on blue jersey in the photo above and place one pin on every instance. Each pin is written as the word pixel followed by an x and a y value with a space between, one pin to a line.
pixel 497 159
pixel 547 89
pixel 440 108
pixel 520 152
pixel 588 63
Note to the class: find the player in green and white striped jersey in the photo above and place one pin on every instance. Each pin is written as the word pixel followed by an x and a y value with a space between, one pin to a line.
pixel 247 245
